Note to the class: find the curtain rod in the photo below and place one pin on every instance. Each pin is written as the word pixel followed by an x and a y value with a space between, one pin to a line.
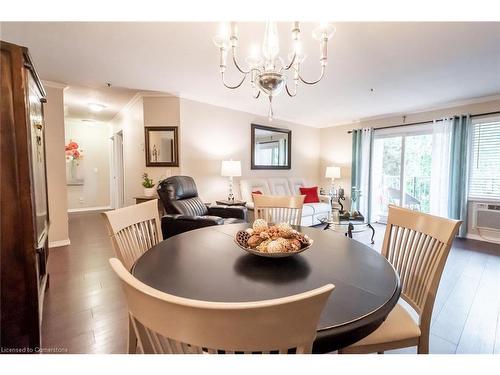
pixel 426 122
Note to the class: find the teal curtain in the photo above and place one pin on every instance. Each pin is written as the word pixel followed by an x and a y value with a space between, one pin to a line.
pixel 457 199
pixel 356 166
pixel 362 140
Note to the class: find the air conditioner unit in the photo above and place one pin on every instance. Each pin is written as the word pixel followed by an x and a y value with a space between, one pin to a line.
pixel 486 219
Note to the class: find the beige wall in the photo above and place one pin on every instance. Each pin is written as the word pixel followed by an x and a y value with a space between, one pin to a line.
pixel 336 144
pixel 94 141
pixel 143 111
pixel 210 134
pixel 56 166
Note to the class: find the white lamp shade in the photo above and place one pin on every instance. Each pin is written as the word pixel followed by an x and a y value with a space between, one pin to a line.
pixel 332 172
pixel 230 168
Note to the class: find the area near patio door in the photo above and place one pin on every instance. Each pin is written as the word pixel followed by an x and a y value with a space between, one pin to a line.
pixel 401 169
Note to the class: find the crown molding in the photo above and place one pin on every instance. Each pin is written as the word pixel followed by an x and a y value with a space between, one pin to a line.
pixel 138 96
pixel 449 105
pixel 55 85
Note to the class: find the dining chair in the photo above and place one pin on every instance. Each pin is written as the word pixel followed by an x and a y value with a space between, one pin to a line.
pixel 180 325
pixel 417 245
pixel 279 209
pixel 133 230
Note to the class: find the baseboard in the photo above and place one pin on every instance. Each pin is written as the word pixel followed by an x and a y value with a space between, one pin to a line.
pixel 59 243
pixel 477 237
pixel 89 209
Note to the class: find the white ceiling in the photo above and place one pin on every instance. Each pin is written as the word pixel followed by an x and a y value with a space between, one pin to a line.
pixel 77 98
pixel 410 66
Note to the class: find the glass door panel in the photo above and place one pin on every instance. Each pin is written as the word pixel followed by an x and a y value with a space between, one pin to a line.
pixel 386 175
pixel 417 172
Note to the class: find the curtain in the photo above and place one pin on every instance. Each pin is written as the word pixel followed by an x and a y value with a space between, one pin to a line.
pixel 440 166
pixel 457 198
pixel 362 141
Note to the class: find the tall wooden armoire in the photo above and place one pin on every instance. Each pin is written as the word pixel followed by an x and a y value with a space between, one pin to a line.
pixel 24 210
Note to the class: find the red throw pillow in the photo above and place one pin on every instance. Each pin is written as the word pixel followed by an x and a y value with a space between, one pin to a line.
pixel 257 192
pixel 311 194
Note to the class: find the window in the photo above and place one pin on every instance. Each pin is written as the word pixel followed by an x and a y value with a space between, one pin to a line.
pixel 484 180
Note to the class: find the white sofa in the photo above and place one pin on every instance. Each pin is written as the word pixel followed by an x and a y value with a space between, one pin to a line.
pixel 311 212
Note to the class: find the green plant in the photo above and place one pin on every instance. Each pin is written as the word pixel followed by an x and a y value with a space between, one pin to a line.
pixel 148 182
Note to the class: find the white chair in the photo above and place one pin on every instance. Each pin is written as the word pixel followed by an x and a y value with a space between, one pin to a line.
pixel 417 245
pixel 179 325
pixel 134 230
pixel 279 209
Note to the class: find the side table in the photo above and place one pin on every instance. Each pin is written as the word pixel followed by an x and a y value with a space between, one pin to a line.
pixel 231 203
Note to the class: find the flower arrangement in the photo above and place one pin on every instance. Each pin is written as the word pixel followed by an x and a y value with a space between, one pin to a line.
pixel 72 152
pixel 147 182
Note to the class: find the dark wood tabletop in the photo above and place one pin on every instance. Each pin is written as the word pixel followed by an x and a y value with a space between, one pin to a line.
pixel 206 264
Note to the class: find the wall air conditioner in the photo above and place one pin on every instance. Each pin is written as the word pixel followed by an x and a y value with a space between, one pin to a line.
pixel 486 219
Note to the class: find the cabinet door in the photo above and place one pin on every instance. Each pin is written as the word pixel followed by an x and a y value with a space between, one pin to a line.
pixel 38 169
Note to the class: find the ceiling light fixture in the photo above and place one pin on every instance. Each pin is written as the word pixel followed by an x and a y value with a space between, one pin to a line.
pixel 267 73
pixel 96 107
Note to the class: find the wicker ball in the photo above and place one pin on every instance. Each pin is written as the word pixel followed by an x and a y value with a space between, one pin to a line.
pixel 260 225
pixel 249 231
pixel 285 230
pixel 276 246
pixel 294 244
pixel 263 246
pixel 242 237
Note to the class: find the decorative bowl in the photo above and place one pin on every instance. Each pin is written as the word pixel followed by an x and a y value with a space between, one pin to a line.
pixel 274 255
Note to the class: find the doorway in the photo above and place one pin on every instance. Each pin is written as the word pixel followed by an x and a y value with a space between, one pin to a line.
pixel 118 189
pixel 401 169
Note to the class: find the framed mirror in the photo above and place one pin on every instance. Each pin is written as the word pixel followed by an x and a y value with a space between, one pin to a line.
pixel 161 146
pixel 271 147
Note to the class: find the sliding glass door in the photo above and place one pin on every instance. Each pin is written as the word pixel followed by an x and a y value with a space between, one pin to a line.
pixel 401 169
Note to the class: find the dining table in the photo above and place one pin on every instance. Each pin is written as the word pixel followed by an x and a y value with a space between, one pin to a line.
pixel 207 264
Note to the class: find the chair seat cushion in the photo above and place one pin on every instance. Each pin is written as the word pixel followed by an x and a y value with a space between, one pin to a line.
pixel 232 220
pixel 398 326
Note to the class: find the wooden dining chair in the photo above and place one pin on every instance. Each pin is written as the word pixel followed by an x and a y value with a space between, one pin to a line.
pixel 134 230
pixel 279 209
pixel 180 325
pixel 417 245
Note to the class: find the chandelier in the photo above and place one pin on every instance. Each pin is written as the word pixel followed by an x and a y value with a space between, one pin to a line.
pixel 268 73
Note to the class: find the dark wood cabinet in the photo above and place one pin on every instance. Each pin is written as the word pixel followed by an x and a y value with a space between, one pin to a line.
pixel 24 205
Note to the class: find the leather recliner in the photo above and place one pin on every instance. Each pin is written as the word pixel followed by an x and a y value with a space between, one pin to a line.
pixel 186 211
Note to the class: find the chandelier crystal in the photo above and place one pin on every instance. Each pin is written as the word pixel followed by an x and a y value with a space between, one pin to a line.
pixel 268 72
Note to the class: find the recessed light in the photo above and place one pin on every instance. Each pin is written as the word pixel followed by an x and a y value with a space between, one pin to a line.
pixel 96 107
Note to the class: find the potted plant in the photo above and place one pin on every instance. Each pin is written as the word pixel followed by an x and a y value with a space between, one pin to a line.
pixel 148 184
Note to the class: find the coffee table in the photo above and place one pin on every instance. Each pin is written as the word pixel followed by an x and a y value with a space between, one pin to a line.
pixel 348 226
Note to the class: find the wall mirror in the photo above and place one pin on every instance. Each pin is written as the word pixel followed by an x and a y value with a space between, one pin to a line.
pixel 271 147
pixel 161 146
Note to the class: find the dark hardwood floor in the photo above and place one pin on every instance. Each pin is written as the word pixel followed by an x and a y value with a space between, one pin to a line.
pixel 85 311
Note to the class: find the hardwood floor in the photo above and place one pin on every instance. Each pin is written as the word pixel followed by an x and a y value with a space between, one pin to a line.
pixel 85 310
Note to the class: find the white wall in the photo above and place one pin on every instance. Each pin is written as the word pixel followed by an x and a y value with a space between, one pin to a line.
pixel 56 166
pixel 210 134
pixel 142 111
pixel 94 141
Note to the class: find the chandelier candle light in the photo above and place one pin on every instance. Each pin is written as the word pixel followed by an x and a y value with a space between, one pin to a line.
pixel 267 73
pixel 230 168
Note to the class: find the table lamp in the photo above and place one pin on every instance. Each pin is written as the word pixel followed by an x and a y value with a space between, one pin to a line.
pixel 332 173
pixel 230 168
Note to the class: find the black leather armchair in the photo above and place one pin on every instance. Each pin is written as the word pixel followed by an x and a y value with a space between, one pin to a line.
pixel 185 210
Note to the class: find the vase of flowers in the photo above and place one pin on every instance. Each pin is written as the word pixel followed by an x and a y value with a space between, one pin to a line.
pixel 148 184
pixel 74 155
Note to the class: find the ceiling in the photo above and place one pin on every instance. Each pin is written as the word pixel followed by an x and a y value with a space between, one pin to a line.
pixel 77 99
pixel 409 66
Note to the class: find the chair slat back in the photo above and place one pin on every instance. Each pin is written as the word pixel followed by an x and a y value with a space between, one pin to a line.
pixel 179 325
pixel 134 230
pixel 279 209
pixel 417 245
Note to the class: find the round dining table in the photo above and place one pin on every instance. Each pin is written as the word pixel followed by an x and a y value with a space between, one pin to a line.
pixel 206 264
